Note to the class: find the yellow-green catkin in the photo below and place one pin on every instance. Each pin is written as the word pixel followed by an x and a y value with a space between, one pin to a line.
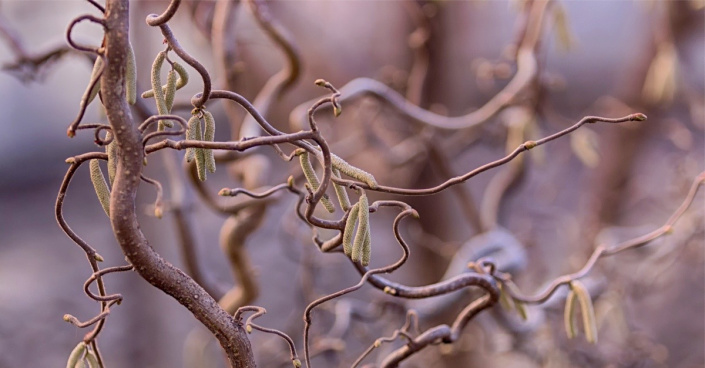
pixel 180 82
pixel 521 309
pixel 199 153
pixel 569 314
pixel 363 228
pixel 92 359
pixel 349 227
pixel 201 164
pixel 589 323
pixel 90 93
pixel 170 91
pixel 312 179
pixel 352 171
pixel 366 248
pixel 100 186
pixel 346 168
pixel 504 297
pixel 183 75
pixel 76 355
pixel 209 135
pixel 112 151
pixel 340 192
pixel 157 88
pixel 131 76
pixel 193 133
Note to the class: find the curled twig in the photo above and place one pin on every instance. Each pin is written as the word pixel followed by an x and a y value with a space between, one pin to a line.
pixel 98 274
pixel 190 60
pixel 155 20
pixel 80 19
pixel 249 325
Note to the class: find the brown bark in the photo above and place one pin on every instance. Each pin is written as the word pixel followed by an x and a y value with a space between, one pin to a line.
pixel 150 265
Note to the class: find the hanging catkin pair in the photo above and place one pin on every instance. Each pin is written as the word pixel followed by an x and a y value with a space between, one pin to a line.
pixel 82 353
pixel 358 246
pixel 509 303
pixel 164 95
pixel 180 82
pixel 204 157
pixel 579 292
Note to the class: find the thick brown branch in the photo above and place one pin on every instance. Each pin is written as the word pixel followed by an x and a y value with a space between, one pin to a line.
pixel 147 262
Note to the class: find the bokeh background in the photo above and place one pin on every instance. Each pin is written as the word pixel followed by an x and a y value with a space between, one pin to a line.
pixel 606 183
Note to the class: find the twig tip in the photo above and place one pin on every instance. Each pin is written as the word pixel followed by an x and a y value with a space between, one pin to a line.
pixel 637 117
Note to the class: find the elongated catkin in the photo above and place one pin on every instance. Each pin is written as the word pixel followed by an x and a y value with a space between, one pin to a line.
pixel 112 151
pixel 90 93
pixel 340 192
pixel 363 229
pixel 589 323
pixel 100 186
pixel 180 82
pixel 209 135
pixel 131 76
pixel 569 315
pixel 158 93
pixel 312 179
pixel 349 227
pixel 193 133
pixel 76 355
pixel 170 91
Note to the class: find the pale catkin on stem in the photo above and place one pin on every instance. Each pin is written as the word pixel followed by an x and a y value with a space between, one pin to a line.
pixel 100 186
pixel 586 310
pixel 209 135
pixel 352 171
pixel 76 355
pixel 521 309
pixel 158 93
pixel 312 179
pixel 358 248
pixel 349 227
pixel 504 297
pixel 170 91
pixel 90 93
pixel 183 75
pixel 349 170
pixel 131 76
pixel 569 314
pixel 112 151
pixel 367 248
pixel 199 152
pixel 201 164
pixel 363 228
pixel 180 82
pixel 340 192
pixel 193 133
pixel 92 359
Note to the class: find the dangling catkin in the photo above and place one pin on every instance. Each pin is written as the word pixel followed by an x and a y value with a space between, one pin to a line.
pixel 349 227
pixel 100 186
pixel 209 135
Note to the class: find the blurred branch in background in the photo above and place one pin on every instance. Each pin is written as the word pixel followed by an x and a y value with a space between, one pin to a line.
pixel 442 115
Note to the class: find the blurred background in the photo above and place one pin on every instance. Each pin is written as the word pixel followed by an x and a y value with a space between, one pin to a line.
pixel 603 184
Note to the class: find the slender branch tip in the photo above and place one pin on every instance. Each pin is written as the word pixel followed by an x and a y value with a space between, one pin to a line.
pixel 637 117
